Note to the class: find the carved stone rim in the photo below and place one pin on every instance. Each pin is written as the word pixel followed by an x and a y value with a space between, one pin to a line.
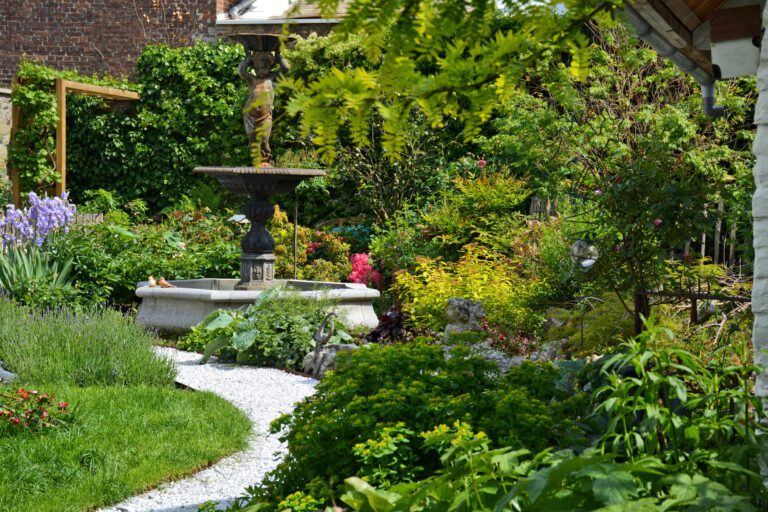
pixel 266 171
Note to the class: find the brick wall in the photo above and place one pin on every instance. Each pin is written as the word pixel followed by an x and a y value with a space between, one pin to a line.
pixel 97 36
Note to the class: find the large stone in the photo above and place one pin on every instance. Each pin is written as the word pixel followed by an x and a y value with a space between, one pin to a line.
pixel 463 316
pixel 5 127
pixel 318 363
pixel 6 376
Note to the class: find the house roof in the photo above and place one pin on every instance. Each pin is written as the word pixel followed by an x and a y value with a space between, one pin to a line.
pixel 277 11
pixel 685 30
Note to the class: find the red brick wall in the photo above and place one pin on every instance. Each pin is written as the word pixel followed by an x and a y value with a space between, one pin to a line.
pixel 96 36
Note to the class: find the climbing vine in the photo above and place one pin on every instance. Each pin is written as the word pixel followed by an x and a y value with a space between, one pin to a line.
pixel 188 115
pixel 32 151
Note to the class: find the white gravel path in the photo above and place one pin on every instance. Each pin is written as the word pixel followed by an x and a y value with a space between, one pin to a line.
pixel 264 394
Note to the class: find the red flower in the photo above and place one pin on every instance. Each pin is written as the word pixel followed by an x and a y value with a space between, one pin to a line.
pixel 481 163
pixel 63 405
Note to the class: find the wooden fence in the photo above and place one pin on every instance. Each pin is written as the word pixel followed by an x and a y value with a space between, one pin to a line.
pixel 720 244
pixel 81 219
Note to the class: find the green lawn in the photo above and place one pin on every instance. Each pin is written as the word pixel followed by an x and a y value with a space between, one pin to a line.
pixel 123 440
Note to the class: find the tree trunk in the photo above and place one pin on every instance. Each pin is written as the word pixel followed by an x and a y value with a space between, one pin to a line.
pixel 718 232
pixel 642 310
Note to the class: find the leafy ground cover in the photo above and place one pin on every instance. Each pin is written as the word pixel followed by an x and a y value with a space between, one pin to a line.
pixel 646 428
pixel 120 441
pixel 277 330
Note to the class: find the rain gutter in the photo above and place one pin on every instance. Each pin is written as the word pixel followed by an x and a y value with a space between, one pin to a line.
pixel 663 47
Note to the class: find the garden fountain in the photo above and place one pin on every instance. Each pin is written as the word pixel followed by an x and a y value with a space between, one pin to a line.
pixel 190 301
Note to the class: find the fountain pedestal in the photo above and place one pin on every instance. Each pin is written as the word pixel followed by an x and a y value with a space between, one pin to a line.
pixel 257 263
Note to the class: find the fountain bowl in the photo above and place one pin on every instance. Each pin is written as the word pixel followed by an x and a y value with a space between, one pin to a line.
pixel 258 182
pixel 177 310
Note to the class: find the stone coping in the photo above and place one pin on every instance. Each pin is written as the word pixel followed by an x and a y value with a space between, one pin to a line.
pixel 222 290
pixel 278 171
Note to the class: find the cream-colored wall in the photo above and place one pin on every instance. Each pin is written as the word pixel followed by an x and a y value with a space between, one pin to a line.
pixel 5 126
pixel 760 213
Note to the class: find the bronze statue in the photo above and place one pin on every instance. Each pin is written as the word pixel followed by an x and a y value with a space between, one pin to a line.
pixel 257 112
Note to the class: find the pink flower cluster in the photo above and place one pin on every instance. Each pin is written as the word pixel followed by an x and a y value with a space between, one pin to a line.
pixel 362 272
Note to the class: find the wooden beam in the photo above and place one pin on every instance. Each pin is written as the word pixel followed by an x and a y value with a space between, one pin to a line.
pixel 656 13
pixel 61 135
pixel 62 88
pixel 110 93
pixel 684 13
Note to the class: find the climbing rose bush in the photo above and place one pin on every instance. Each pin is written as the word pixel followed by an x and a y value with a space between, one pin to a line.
pixel 33 224
pixel 362 271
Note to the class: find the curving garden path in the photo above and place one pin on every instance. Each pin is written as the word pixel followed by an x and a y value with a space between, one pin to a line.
pixel 264 394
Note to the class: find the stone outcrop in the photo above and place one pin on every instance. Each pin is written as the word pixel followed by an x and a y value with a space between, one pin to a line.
pixel 6 376
pixel 323 358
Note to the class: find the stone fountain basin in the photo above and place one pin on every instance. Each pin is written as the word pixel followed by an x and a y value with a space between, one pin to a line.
pixel 259 182
pixel 177 310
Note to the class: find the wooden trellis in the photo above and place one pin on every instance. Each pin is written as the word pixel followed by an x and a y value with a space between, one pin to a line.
pixel 62 88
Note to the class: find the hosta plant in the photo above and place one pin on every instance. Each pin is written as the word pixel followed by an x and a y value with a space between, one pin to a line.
pixel 277 330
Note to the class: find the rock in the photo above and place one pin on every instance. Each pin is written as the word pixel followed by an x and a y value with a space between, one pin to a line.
pixel 463 316
pixel 556 317
pixel 549 351
pixel 503 361
pixel 6 376
pixel 317 362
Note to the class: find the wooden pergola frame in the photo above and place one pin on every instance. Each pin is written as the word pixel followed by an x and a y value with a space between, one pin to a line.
pixel 62 88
